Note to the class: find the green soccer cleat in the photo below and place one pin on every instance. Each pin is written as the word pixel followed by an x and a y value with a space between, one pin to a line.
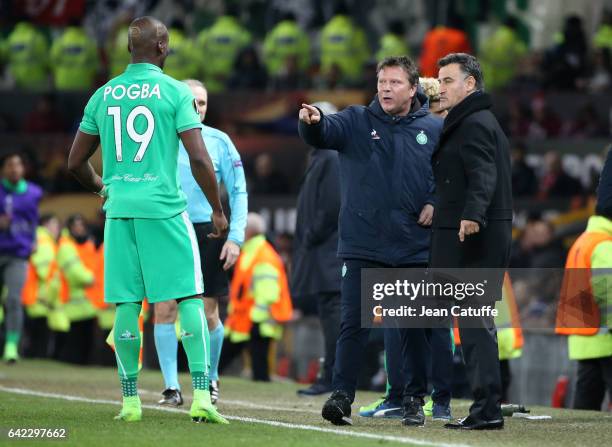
pixel 10 353
pixel 131 410
pixel 428 408
pixel 202 409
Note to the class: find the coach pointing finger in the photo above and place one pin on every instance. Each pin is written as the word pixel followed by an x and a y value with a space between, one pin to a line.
pixel 309 114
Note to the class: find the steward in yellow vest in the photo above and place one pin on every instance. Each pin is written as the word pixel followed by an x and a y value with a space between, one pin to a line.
pixel 260 301
pixel 40 294
pixel 585 306
pixel 76 251
pixel 74 60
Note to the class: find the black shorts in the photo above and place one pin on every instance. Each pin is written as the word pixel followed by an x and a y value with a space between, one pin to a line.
pixel 216 280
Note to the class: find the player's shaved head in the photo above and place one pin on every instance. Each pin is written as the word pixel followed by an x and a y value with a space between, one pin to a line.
pixel 148 40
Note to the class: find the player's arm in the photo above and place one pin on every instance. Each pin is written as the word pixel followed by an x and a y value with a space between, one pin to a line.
pixel 83 147
pixel 325 131
pixel 232 175
pixel 204 173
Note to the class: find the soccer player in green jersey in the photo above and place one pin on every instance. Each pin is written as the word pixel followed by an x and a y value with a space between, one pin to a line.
pixel 150 246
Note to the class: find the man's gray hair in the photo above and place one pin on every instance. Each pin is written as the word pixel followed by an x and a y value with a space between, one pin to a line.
pixel 469 66
pixel 256 224
pixel 194 83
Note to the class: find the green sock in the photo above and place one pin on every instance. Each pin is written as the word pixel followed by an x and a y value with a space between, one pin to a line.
pixel 195 339
pixel 12 337
pixel 127 346
pixel 128 387
pixel 199 380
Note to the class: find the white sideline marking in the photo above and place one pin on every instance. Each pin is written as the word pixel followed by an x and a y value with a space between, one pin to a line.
pixel 356 434
pixel 247 404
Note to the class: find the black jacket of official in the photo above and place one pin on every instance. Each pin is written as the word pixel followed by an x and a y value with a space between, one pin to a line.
pixel 473 182
pixel 315 267
pixel 385 177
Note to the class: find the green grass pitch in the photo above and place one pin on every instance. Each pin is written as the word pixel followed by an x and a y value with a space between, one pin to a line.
pixel 83 400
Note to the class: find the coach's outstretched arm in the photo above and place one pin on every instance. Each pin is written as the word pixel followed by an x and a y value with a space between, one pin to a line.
pixel 83 147
pixel 324 132
pixel 204 173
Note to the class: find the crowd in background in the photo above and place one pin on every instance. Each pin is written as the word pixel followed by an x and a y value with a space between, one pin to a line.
pixel 259 45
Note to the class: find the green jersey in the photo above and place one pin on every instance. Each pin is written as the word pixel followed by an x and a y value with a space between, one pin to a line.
pixel 138 116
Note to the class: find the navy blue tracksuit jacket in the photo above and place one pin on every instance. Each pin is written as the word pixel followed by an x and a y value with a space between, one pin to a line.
pixel 386 178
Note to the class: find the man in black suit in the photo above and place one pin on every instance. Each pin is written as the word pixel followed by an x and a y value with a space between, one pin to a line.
pixel 472 222
pixel 315 275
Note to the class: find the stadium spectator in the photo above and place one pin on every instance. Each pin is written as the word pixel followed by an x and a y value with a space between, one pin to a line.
pixel 603 35
pixel 248 72
pixel 440 41
pixel 75 252
pixel 286 53
pixel 369 236
pixel 501 54
pixel 586 123
pixel 217 255
pixel 524 179
pixel 267 180
pixel 537 247
pixel 18 221
pixel 543 121
pixel 27 57
pixel 528 77
pixel 566 63
pixel 219 46
pixel 117 50
pixel 260 301
pixel 44 117
pixel 519 118
pixel 589 326
pixel 42 288
pixel 393 42
pixel 472 226
pixel 601 76
pixel 183 61
pixel 74 59
pixel 315 275
pixel 283 244
pixel 555 182
pixel 344 50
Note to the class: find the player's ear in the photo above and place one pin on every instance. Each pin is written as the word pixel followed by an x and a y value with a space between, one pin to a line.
pixel 162 46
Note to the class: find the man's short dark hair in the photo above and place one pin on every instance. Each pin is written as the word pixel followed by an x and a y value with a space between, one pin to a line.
pixel 469 65
pixel 5 156
pixel 45 218
pixel 404 62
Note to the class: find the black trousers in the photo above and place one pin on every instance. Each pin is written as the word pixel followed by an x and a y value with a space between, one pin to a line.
pixel 506 378
pixel 76 345
pixel 353 340
pixel 37 337
pixel 259 348
pixel 594 377
pixel 329 314
pixel 481 358
pixel 490 248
